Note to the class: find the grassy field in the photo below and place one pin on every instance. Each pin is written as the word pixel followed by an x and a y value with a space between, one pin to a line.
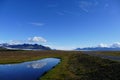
pixel 21 56
pixel 74 65
pixel 111 53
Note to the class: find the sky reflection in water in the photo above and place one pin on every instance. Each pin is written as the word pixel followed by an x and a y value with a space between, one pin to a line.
pixel 27 70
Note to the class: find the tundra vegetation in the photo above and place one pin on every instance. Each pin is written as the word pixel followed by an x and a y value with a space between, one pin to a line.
pixel 110 53
pixel 74 65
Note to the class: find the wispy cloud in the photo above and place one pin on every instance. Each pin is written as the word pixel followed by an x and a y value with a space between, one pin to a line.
pixel 37 24
pixel 86 5
pixel 68 12
pixel 14 42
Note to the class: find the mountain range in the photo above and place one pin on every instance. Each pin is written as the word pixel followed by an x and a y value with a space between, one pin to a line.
pixel 99 49
pixel 24 46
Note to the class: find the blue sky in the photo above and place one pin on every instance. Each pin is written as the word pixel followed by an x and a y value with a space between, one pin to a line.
pixel 62 24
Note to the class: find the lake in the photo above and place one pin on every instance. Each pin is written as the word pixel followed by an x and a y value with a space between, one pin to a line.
pixel 32 70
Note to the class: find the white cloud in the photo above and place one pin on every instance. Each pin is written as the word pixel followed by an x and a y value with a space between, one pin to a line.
pixel 37 39
pixel 115 45
pixel 37 24
pixel 103 45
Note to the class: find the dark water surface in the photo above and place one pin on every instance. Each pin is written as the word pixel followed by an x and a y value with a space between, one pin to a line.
pixel 32 70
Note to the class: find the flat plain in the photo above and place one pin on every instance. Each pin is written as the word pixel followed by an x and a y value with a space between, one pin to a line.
pixel 74 65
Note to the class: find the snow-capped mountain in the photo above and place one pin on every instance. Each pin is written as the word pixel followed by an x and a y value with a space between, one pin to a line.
pixel 25 46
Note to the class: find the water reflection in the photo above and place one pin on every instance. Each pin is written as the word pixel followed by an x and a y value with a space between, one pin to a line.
pixel 27 70
pixel 37 65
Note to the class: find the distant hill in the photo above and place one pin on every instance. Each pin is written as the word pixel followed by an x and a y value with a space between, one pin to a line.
pixel 99 49
pixel 1 48
pixel 25 47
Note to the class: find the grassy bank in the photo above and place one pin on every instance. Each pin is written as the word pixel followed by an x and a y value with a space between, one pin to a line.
pixel 79 66
pixel 73 66
pixel 93 68
pixel 21 56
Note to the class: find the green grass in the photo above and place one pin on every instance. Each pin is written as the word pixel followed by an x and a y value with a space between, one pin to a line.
pixel 93 68
pixel 22 56
pixel 73 66
pixel 79 66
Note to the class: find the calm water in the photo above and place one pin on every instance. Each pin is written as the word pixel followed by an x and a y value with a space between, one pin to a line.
pixel 27 70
